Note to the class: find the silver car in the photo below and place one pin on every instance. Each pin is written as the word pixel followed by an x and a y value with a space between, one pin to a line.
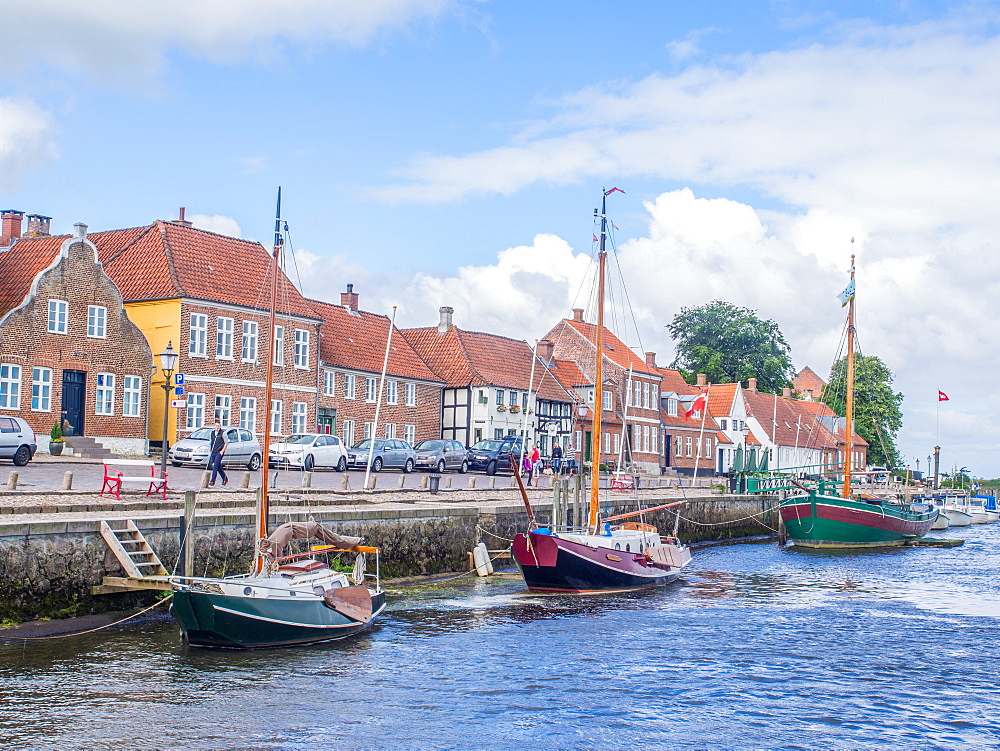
pixel 389 453
pixel 243 449
pixel 309 450
pixel 437 455
pixel 17 440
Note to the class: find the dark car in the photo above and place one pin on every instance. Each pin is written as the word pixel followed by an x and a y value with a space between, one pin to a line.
pixel 493 456
pixel 437 455
pixel 389 453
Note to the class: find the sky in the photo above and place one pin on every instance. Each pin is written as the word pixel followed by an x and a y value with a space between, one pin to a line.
pixel 452 152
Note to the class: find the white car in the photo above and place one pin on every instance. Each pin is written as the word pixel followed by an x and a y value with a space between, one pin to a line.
pixel 308 451
pixel 17 440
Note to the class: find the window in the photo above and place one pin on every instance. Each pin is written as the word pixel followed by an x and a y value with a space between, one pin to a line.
pixel 299 417
pixel 349 382
pixel 410 434
pixel 131 394
pixel 708 447
pixel 197 334
pixel 224 338
pixel 195 411
pixel 329 382
pixel 104 402
pixel 524 401
pixel 690 446
pixel 390 430
pixel 248 412
pixel 223 408
pixel 276 406
pixel 369 428
pixel 411 395
pixel 10 386
pixel 618 443
pixel 679 450
pixel 371 389
pixel 348 432
pixel 497 434
pixel 500 393
pixel 249 341
pixel 722 424
pixel 279 345
pixel 646 439
pixel 391 392
pixel 607 443
pixel 608 400
pixel 301 348
pixel 57 316
pixel 628 391
pixel 97 319
pixel 672 407
pixel 513 398
pixel 41 389
pixel 579 440
pixel 590 396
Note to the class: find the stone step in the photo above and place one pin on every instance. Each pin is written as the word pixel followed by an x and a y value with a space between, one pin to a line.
pixel 88 447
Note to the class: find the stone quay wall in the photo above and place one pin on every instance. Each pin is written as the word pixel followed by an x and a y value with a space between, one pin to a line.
pixel 51 555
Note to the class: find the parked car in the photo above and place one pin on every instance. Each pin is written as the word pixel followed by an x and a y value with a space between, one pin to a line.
pixel 17 440
pixel 437 455
pixel 491 456
pixel 309 450
pixel 389 453
pixel 243 449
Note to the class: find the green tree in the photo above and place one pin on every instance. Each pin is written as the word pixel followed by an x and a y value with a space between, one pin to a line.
pixel 729 345
pixel 877 414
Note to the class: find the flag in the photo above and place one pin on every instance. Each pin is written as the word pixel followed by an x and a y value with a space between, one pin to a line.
pixel 697 404
pixel 609 192
pixel 942 397
pixel 847 295
pixel 595 238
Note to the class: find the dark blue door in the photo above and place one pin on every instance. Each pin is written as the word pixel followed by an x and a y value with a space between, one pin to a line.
pixel 74 389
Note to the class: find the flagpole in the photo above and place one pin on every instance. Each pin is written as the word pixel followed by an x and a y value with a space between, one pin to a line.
pixel 701 436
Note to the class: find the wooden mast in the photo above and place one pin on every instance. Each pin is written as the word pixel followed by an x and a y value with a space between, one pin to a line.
pixel 595 449
pixel 849 399
pixel 263 507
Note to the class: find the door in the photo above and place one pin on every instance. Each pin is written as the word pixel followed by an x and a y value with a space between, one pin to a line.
pixel 74 392
pixel 326 421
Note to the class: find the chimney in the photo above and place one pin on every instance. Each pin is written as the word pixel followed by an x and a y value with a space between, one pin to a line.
pixel 181 220
pixel 702 379
pixel 38 225
pixel 578 315
pixel 11 225
pixel 752 385
pixel 651 359
pixel 444 319
pixel 787 392
pixel 545 348
pixel 349 299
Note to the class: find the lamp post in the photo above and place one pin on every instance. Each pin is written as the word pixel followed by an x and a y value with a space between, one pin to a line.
pixel 168 364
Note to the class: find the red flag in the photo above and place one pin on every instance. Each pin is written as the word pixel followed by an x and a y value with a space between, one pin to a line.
pixel 942 397
pixel 609 192
pixel 595 238
pixel 696 405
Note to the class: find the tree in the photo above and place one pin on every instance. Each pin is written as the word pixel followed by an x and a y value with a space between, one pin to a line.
pixel 729 345
pixel 877 414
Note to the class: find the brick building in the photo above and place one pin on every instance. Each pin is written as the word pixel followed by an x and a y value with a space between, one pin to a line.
pixel 68 350
pixel 689 443
pixel 351 349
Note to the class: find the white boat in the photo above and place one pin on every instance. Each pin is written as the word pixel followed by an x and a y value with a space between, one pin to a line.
pixel 974 508
pixel 988 504
pixel 941 522
pixel 951 508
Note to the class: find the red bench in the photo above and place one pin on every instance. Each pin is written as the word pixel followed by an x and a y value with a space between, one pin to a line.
pixel 113 478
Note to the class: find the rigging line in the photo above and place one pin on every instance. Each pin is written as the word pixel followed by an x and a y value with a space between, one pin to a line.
pixel 89 630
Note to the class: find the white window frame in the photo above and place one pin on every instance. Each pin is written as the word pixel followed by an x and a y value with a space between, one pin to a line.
pixel 329 383
pixel 672 407
pixel 248 349
pixel 350 386
pixel 369 429
pixel 279 345
pixel 371 390
pixel 195 415
pixel 608 398
pixel 410 390
pixel 198 335
pixel 410 434
pixel 390 430
pixel 131 396
pixel 302 349
pixel 223 338
pixel 223 411
pixel 10 386
pixel 678 445
pixel 392 392
pixel 97 322
pixel 348 435
pixel 58 316
pixel 274 424
pixel 41 389
pixel 690 446
pixel 104 394
pixel 248 413
pixel 300 416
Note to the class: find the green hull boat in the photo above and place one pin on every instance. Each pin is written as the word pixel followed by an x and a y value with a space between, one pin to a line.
pixel 817 520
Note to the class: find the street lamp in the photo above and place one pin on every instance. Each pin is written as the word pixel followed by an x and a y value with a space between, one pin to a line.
pixel 168 364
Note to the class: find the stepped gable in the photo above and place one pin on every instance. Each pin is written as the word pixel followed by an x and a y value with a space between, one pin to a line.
pixel 356 339
pixel 614 348
pixel 808 383
pixel 21 263
pixel 169 259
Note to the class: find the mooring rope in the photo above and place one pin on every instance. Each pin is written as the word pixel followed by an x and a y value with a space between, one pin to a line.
pixel 90 630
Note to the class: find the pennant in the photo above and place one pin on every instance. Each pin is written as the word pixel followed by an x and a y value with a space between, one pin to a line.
pixel 595 238
pixel 698 404
pixel 942 397
pixel 613 190
pixel 847 295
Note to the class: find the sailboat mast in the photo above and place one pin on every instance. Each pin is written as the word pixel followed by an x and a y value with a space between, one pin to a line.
pixel 595 449
pixel 263 508
pixel 849 400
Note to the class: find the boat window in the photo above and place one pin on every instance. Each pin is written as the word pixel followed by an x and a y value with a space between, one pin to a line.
pixel 628 548
pixel 618 546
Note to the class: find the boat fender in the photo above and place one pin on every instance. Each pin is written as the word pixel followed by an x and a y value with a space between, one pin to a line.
pixel 542 531
pixel 481 559
pixel 486 556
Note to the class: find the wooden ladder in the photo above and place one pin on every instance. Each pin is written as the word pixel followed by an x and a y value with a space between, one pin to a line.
pixel 132 551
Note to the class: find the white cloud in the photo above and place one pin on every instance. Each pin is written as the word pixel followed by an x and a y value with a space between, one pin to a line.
pixel 223 225
pixel 26 140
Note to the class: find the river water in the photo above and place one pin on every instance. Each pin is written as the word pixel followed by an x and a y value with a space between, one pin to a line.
pixel 755 648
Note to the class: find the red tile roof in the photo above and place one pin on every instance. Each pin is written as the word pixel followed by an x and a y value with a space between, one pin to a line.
pixel 356 339
pixel 614 348
pixel 20 264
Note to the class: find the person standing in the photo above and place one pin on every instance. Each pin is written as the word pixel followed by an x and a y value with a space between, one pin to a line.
pixel 536 460
pixel 556 458
pixel 570 458
pixel 218 443
pixel 528 466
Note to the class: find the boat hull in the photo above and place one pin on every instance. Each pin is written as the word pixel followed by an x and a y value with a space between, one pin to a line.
pixel 819 521
pixel 552 564
pixel 208 619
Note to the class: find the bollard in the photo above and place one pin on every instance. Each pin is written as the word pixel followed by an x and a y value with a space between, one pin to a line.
pixel 434 482
pixel 345 482
pixel 67 481
pixel 493 482
pixel 12 481
pixel 245 480
pixel 472 483
pixel 424 482
pixel 402 481
pixel 447 482
pixel 307 479
pixel 205 477
pixel 372 482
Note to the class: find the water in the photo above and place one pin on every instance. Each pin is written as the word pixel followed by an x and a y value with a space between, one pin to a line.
pixel 756 648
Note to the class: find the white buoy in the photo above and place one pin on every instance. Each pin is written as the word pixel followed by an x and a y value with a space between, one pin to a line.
pixel 481 559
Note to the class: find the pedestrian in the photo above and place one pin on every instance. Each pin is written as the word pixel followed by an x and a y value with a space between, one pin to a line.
pixel 217 449
pixel 556 458
pixel 570 459
pixel 528 466
pixel 536 460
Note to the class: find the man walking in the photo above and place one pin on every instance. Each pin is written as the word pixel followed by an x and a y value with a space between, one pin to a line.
pixel 556 458
pixel 217 449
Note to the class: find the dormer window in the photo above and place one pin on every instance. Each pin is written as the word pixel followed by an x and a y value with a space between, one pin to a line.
pixel 672 407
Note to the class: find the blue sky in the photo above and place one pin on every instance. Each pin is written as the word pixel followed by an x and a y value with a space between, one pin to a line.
pixel 436 152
